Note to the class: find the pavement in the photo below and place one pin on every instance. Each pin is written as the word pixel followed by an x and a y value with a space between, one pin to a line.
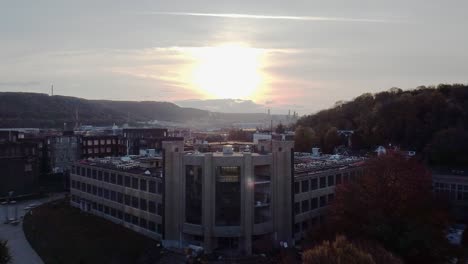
pixel 19 246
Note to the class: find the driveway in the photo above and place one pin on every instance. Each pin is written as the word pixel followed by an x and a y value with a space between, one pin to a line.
pixel 19 246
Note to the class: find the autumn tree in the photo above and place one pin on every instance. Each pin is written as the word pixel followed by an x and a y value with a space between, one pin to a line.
pixel 392 203
pixel 280 128
pixel 5 256
pixel 304 139
pixel 341 250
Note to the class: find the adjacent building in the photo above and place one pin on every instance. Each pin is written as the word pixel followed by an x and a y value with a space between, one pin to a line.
pixel 20 168
pixel 453 184
pixel 100 146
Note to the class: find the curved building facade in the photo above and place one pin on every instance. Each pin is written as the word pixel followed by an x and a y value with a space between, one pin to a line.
pixel 226 202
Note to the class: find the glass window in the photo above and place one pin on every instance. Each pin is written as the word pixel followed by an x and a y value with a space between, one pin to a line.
pixel 160 188
pixel 152 207
pixel 152 186
pixel 228 189
pixel 305 185
pixel 323 201
pixel 119 179
pixel 313 203
pixel 160 209
pixel 127 199
pixel 296 187
pixel 134 202
pixel 305 206
pixel 323 182
pixel 143 185
pixel 331 180
pixel 113 178
pixel 134 183
pixel 313 184
pixel 193 194
pixel 106 177
pixel 338 179
pixel 120 197
pixel 127 181
pixel 143 204
pixel 152 226
pixel 297 208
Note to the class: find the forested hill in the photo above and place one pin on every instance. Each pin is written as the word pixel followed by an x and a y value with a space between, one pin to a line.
pixel 42 110
pixel 431 120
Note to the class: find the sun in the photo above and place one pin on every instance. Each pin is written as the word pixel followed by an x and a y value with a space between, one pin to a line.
pixel 227 71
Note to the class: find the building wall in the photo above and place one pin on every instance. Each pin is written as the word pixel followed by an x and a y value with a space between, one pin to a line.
pixel 213 232
pixel 312 194
pixel 455 188
pixel 102 146
pixel 132 200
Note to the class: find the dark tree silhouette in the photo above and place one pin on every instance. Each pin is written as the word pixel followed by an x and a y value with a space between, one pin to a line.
pixel 5 256
pixel 392 203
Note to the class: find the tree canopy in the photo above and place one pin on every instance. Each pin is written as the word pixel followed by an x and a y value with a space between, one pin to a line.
pixel 392 203
pixel 410 119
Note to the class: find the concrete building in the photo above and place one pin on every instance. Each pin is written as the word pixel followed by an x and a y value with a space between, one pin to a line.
pixel 63 151
pixel 226 202
pixel 123 190
pixel 144 138
pixel 99 146
pixel 20 168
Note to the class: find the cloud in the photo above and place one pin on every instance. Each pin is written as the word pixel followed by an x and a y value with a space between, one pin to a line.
pixel 298 18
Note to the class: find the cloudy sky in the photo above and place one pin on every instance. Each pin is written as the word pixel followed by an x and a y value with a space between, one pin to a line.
pixel 298 55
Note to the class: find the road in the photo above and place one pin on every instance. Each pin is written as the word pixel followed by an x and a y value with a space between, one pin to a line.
pixel 19 246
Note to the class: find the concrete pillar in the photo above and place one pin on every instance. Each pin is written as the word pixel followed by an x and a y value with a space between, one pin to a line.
pixel 247 198
pixel 209 203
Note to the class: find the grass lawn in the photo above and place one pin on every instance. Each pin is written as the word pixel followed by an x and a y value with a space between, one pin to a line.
pixel 62 234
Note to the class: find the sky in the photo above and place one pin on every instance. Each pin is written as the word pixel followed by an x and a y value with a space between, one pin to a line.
pixel 278 55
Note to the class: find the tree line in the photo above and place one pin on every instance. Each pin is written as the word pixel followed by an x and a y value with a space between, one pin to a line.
pixel 430 120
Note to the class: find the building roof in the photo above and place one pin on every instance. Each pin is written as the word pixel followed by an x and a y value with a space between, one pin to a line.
pixel 308 164
pixel 129 164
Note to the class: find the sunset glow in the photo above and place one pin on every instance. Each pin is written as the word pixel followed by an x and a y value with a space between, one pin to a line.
pixel 227 71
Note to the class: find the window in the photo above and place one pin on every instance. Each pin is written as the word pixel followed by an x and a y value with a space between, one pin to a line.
pixel 127 181
pixel 143 223
pixel 106 210
pixel 305 186
pixel 313 203
pixel 128 217
pixel 305 206
pixel 135 220
pixel 113 212
pixel 152 207
pixel 106 193
pixel 135 183
pixel 159 228
pixel 113 196
pixel 127 199
pixel 88 188
pixel 331 196
pixel 119 214
pixel 160 209
pixel 331 180
pixel 134 202
pixel 313 184
pixel 338 179
pixel 160 187
pixel 88 172
pixel 143 185
pixel 323 182
pixel 297 208
pixel 151 226
pixel 323 201
pixel 94 190
pixel 143 205
pixel 100 176
pixel 99 191
pixel 296 187
pixel 119 179
pixel 106 177
pixel 152 186
pixel 120 197
pixel 94 174
pixel 112 178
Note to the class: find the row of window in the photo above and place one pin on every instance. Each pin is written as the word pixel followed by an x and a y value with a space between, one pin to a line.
pixel 118 179
pixel 322 182
pixel 96 142
pixel 118 197
pixel 308 224
pixel 456 192
pixel 312 204
pixel 118 214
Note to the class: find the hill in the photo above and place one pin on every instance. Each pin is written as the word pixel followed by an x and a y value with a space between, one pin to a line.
pixel 42 110
pixel 430 120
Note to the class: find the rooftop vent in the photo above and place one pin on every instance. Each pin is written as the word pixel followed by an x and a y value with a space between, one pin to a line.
pixel 228 150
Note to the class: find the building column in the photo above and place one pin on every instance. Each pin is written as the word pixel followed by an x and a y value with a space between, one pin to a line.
pixel 209 203
pixel 247 191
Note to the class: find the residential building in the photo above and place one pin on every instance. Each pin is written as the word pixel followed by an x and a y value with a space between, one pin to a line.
pixel 99 146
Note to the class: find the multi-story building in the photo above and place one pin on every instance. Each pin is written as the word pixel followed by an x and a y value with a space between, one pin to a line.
pixel 315 180
pixel 20 168
pixel 63 151
pixel 227 202
pixel 99 146
pixel 453 184
pixel 144 138
pixel 123 190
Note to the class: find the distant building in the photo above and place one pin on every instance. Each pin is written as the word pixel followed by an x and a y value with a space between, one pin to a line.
pixel 99 146
pixel 146 138
pixel 453 184
pixel 19 168
pixel 63 151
